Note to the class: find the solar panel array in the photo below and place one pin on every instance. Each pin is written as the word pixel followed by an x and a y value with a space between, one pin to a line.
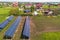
pixel 5 22
pixel 10 32
pixel 26 30
pixel 10 18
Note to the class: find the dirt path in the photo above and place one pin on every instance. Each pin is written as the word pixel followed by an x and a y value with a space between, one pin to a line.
pixel 17 34
pixel 51 29
pixel 32 29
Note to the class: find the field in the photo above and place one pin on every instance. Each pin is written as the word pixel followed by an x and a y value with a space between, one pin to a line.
pixel 2 18
pixel 5 10
pixel 46 28
pixel 50 36
pixel 41 27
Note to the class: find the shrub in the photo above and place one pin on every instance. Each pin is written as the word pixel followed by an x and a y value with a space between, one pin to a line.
pixel 32 8
pixel 14 11
pixel 21 12
pixel 26 15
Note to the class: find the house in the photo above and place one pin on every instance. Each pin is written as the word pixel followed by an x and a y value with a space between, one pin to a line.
pixel 38 5
pixel 15 4
pixel 28 5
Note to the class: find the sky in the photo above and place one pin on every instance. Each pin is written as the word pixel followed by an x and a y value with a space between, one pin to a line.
pixel 30 0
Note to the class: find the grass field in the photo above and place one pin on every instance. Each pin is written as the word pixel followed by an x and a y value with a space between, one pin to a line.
pixel 3 18
pixel 5 10
pixel 43 28
pixel 50 36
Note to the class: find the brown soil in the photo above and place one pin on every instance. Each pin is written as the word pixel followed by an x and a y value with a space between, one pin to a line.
pixel 32 29
pixel 35 33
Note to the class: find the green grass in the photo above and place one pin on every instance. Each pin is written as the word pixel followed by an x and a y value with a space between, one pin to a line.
pixel 5 10
pixel 41 22
pixel 3 18
pixel 49 36
pixel 45 6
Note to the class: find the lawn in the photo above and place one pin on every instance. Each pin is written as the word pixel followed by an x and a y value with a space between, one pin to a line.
pixel 3 18
pixel 4 12
pixel 49 36
pixel 43 24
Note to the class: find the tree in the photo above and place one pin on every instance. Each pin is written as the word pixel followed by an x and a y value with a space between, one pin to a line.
pixel 14 11
pixel 32 8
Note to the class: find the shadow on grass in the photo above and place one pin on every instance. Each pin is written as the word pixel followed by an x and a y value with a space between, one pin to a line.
pixel 7 37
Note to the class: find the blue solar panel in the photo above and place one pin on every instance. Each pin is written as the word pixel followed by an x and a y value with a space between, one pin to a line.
pixel 26 31
pixel 10 18
pixel 6 22
pixel 27 11
pixel 10 32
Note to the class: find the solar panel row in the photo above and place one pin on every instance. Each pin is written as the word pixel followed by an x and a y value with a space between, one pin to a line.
pixel 26 30
pixel 10 18
pixel 10 32
pixel 5 22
